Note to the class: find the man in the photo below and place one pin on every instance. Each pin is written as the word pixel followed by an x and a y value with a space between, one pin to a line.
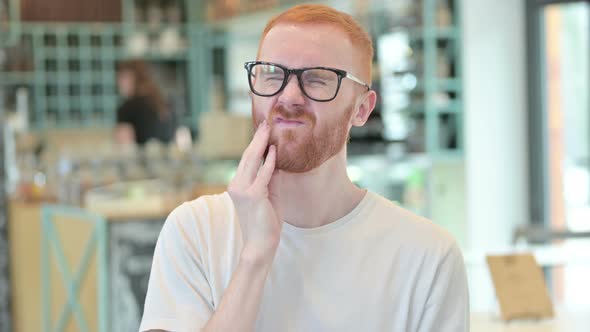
pixel 294 245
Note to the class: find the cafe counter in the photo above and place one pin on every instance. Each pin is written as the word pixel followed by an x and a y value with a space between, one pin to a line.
pixel 54 254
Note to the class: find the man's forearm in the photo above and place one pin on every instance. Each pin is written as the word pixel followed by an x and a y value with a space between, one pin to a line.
pixel 240 303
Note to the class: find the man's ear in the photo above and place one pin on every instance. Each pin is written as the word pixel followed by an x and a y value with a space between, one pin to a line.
pixel 365 105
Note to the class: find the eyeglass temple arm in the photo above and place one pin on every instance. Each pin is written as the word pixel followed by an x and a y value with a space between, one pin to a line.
pixel 358 80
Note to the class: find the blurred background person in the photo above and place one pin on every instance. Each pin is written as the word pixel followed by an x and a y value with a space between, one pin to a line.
pixel 143 114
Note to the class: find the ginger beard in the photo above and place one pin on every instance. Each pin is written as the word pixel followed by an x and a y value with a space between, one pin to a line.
pixel 301 150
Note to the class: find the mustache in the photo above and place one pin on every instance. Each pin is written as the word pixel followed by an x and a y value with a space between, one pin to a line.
pixel 297 113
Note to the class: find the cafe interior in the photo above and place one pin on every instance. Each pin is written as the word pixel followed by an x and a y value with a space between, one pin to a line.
pixel 482 125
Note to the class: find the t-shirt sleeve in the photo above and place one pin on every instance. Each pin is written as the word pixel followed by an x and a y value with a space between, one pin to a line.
pixel 447 307
pixel 179 296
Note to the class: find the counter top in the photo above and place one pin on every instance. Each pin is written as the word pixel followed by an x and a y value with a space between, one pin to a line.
pixel 150 204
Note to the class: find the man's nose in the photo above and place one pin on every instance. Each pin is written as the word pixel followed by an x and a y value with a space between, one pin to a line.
pixel 292 94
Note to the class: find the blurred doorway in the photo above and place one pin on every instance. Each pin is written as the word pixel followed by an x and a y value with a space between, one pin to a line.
pixel 559 85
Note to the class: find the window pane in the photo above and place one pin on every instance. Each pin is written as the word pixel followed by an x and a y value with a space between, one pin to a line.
pixel 566 100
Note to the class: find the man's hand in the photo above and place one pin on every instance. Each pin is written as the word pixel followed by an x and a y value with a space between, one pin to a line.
pixel 249 191
pixel 261 230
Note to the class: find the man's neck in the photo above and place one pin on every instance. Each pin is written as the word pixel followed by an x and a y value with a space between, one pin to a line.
pixel 318 197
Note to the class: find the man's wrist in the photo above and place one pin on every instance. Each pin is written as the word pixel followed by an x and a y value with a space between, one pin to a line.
pixel 253 259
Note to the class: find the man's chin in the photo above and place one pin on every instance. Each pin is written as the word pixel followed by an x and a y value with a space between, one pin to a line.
pixel 286 140
pixel 295 161
pixel 288 158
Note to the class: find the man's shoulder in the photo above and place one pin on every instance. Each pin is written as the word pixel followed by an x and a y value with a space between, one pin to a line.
pixel 410 228
pixel 215 203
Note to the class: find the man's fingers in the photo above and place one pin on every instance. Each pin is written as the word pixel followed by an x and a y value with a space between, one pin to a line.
pixel 266 171
pixel 252 157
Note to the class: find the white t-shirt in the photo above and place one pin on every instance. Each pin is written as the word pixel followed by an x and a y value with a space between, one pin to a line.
pixel 379 268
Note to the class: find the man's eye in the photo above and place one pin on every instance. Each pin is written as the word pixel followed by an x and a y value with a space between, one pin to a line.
pixel 316 82
pixel 273 78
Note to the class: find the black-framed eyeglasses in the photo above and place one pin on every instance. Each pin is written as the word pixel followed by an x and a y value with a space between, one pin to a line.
pixel 267 79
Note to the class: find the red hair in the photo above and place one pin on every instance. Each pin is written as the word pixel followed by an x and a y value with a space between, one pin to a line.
pixel 321 14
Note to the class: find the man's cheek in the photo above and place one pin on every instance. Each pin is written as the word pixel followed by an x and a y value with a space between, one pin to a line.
pixel 257 118
pixel 258 113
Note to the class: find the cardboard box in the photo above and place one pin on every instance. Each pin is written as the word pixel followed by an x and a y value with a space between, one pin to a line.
pixel 520 286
